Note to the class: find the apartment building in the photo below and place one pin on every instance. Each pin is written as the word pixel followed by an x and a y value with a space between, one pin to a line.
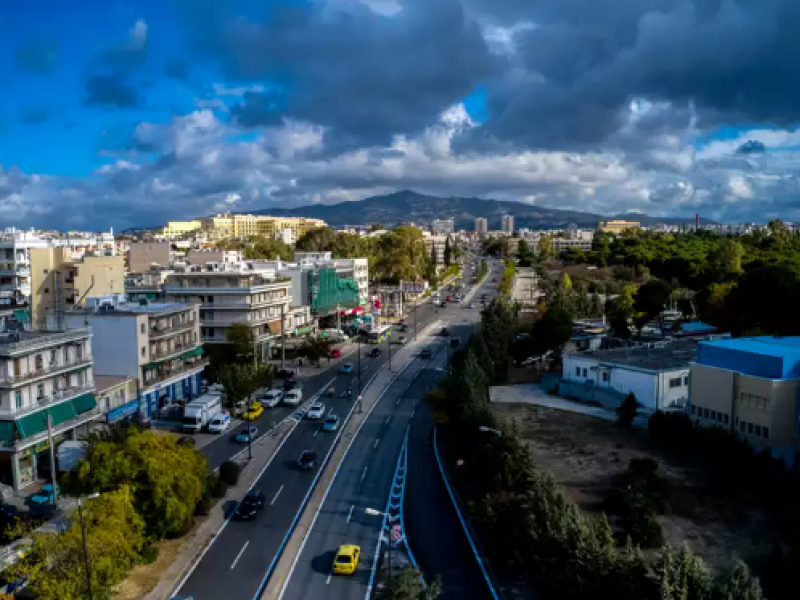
pixel 142 256
pixel 179 229
pixel 443 226
pixel 354 269
pixel 618 227
pixel 155 343
pixel 45 377
pixel 435 245
pixel 241 226
pixel 59 280
pixel 234 293
pixel 507 224
pixel 750 386
pixel 481 225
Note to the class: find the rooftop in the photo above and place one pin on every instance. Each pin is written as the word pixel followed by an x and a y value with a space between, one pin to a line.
pixel 106 382
pixel 14 342
pixel 767 356
pixel 658 357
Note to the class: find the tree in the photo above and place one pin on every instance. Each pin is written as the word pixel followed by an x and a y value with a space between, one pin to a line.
pixel 315 348
pixel 448 252
pixel 241 381
pixel 166 479
pixel 407 584
pixel 525 257
pixel 626 412
pixel 54 564
pixel 727 258
pixel 650 301
pixel 240 337
pixel 553 330
pixel 739 585
pixel 263 248
pixel 545 247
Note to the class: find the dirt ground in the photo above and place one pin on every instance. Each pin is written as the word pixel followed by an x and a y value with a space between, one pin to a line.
pixel 144 578
pixel 584 454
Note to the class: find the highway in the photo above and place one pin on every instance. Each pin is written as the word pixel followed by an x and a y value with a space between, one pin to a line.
pixel 239 561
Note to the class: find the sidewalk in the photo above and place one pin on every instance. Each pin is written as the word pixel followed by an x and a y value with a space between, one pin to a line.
pixel 196 543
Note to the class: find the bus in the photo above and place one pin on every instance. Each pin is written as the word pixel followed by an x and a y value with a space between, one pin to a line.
pixel 378 334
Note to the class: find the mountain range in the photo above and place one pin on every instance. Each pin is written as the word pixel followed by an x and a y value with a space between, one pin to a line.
pixel 409 206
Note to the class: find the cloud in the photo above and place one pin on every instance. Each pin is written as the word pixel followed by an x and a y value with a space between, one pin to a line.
pixel 130 54
pixel 110 90
pixel 38 57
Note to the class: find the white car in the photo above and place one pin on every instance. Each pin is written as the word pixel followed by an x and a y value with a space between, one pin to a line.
pixel 219 423
pixel 316 412
pixel 293 398
pixel 272 398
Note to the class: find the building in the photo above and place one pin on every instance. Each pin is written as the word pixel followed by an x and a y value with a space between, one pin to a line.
pixel 234 293
pixel 507 224
pixel 117 397
pixel 618 226
pixel 579 239
pixel 45 376
pixel 142 256
pixel 355 269
pixel 435 245
pixel 657 374
pixel 155 343
pixel 442 226
pixel 481 225
pixel 750 386
pixel 179 229
pixel 213 255
pixel 241 226
pixel 60 281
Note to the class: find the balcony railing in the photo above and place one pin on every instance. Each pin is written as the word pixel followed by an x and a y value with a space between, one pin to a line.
pixel 53 368
pixel 177 349
pixel 45 340
pixel 168 372
pixel 159 332
pixel 55 398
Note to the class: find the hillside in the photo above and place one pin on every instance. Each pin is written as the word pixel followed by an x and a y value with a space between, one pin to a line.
pixel 406 205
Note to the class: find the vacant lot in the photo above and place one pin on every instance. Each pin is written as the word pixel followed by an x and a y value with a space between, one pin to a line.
pixel 585 454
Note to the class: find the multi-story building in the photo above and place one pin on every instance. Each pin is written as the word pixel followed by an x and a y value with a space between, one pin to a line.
pixel 46 393
pixel 435 245
pixel 442 226
pixel 179 229
pixel 60 281
pixel 234 293
pixel 481 225
pixel 355 269
pixel 242 226
pixel 750 386
pixel 213 255
pixel 142 256
pixel 15 265
pixel 617 226
pixel 156 343
pixel 507 224
pixel 117 397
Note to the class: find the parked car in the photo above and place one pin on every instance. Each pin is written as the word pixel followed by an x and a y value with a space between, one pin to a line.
pixel 219 423
pixel 250 506
pixel 292 384
pixel 426 353
pixel 346 369
pixel 293 398
pixel 375 353
pixel 346 560
pixel 316 412
pixel 247 435
pixel 286 373
pixel 471 305
pixel 307 460
pixel 444 332
pixel 401 340
pixel 335 353
pixel 254 411
pixel 403 328
pixel 272 398
pixel 331 423
pixel 44 495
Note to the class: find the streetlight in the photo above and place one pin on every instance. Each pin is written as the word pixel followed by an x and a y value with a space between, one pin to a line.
pixel 377 513
pixel 85 550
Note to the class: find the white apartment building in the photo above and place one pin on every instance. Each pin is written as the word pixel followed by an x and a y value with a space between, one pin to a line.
pixel 507 224
pixel 45 376
pixel 156 343
pixel 234 293
pixel 442 226
pixel 481 225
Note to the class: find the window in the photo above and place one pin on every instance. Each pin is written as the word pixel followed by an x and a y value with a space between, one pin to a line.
pixel 40 391
pixel 686 380
pixel 742 426
pixel 18 399
pixel 727 419
pixel 144 350
pixel 758 430
pixel 143 328
pixel 693 409
pixel 676 382
pixel 754 401
pixel 749 429
pixel 46 290
pixel 53 357
pixel 584 373
pixel 577 371
pixel 605 375
pixel 78 352
pixel 765 432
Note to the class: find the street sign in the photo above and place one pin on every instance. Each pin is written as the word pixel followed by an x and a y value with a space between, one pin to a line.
pixel 397 533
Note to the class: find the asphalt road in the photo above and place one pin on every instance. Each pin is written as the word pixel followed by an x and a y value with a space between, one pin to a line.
pixel 237 562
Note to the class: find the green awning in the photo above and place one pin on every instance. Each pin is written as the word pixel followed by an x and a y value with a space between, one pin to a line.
pixel 152 365
pixel 32 424
pixel 84 403
pixel 62 412
pixel 7 432
pixel 193 352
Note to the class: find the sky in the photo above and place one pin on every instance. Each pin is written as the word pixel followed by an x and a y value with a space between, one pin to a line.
pixel 133 113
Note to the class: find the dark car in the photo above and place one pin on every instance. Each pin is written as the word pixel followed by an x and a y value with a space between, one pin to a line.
pixel 252 502
pixel 403 328
pixel 444 332
pixel 375 353
pixel 285 373
pixel 425 353
pixel 454 342
pixel 292 384
pixel 307 460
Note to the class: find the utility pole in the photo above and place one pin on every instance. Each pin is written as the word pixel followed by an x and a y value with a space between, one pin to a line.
pixel 85 553
pixel 283 338
pixel 249 440
pixel 53 472
pixel 359 373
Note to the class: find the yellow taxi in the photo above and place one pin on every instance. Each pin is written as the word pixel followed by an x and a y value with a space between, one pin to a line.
pixel 253 412
pixel 346 559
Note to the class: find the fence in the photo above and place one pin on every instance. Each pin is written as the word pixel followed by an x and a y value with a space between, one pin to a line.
pixel 605 397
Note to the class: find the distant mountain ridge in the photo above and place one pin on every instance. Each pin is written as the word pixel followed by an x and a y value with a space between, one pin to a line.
pixel 409 206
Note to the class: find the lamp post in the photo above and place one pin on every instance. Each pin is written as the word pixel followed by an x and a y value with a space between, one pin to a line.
pixel 86 569
pixel 377 513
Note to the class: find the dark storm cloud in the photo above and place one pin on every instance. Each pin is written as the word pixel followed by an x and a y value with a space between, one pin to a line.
pixel 110 90
pixel 356 72
pixel 583 62
pixel 39 58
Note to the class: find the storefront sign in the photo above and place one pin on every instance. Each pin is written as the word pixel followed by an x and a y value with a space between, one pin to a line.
pixel 124 411
pixel 302 330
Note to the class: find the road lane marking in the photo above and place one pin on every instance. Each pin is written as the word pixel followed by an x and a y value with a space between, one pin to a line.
pixel 350 514
pixel 317 431
pixel 389 418
pixel 399 400
pixel 364 474
pixel 278 493
pixel 378 441
pixel 238 556
pixel 330 574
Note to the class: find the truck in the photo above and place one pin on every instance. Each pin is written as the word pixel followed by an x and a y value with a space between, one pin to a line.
pixel 199 412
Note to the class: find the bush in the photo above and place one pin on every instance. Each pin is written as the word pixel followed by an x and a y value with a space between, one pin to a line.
pixel 229 473
pixel 150 554
pixel 216 487
pixel 204 505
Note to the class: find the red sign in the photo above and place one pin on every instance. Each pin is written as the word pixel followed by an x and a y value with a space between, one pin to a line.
pixel 397 533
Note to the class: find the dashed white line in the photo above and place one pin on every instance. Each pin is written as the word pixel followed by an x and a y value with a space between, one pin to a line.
pixel 317 431
pixel 238 556
pixel 378 441
pixel 364 474
pixel 350 514
pixel 330 574
pixel 278 493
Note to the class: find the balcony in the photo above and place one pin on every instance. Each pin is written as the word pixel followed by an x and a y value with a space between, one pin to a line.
pixel 48 401
pixel 30 341
pixel 174 351
pixel 166 372
pixel 160 332
pixel 51 370
pixel 242 305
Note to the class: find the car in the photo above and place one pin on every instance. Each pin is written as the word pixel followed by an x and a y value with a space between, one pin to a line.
pixel 307 460
pixel 443 304
pixel 346 560
pixel 250 505
pixel 292 384
pixel 287 373
pixel 44 495
pixel 254 411
pixel 335 353
pixel 316 411
pixel 293 398
pixel 219 423
pixel 403 328
pixel 331 423
pixel 402 339
pixel 375 353
pixel 449 299
pixel 272 398
pixel 426 353
pixel 444 332
pixel 247 435
pixel 454 343
pixel 346 369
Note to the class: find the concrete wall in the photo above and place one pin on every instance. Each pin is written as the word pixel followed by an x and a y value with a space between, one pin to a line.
pixel 143 254
pixel 117 349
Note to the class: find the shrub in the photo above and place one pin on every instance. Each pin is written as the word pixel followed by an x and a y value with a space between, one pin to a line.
pixel 644 530
pixel 204 504
pixel 216 486
pixel 229 473
pixel 150 554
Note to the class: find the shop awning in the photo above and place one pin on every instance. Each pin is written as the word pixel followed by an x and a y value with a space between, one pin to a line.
pixel 33 424
pixel 152 365
pixel 194 352
pixel 84 403
pixel 36 423
pixel 62 412
pixel 7 432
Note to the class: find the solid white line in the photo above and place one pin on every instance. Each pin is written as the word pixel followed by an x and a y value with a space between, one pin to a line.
pixel 238 556
pixel 278 493
pixel 364 474
pixel 378 441
pixel 350 514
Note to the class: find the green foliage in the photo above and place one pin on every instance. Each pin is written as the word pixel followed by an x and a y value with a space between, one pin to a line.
pixel 315 348
pixel 262 248
pixel 241 381
pixel 525 256
pixel 552 331
pixel 240 337
pixel 507 278
pixel 166 478
pixel 626 411
pixel 483 270
pixel 407 584
pixel 216 487
pixel 546 248
pixel 229 472
pixel 150 554
pixel 496 246
pixel 448 252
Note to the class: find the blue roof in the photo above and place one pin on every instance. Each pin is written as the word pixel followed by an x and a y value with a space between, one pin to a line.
pixel 697 326
pixel 769 357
